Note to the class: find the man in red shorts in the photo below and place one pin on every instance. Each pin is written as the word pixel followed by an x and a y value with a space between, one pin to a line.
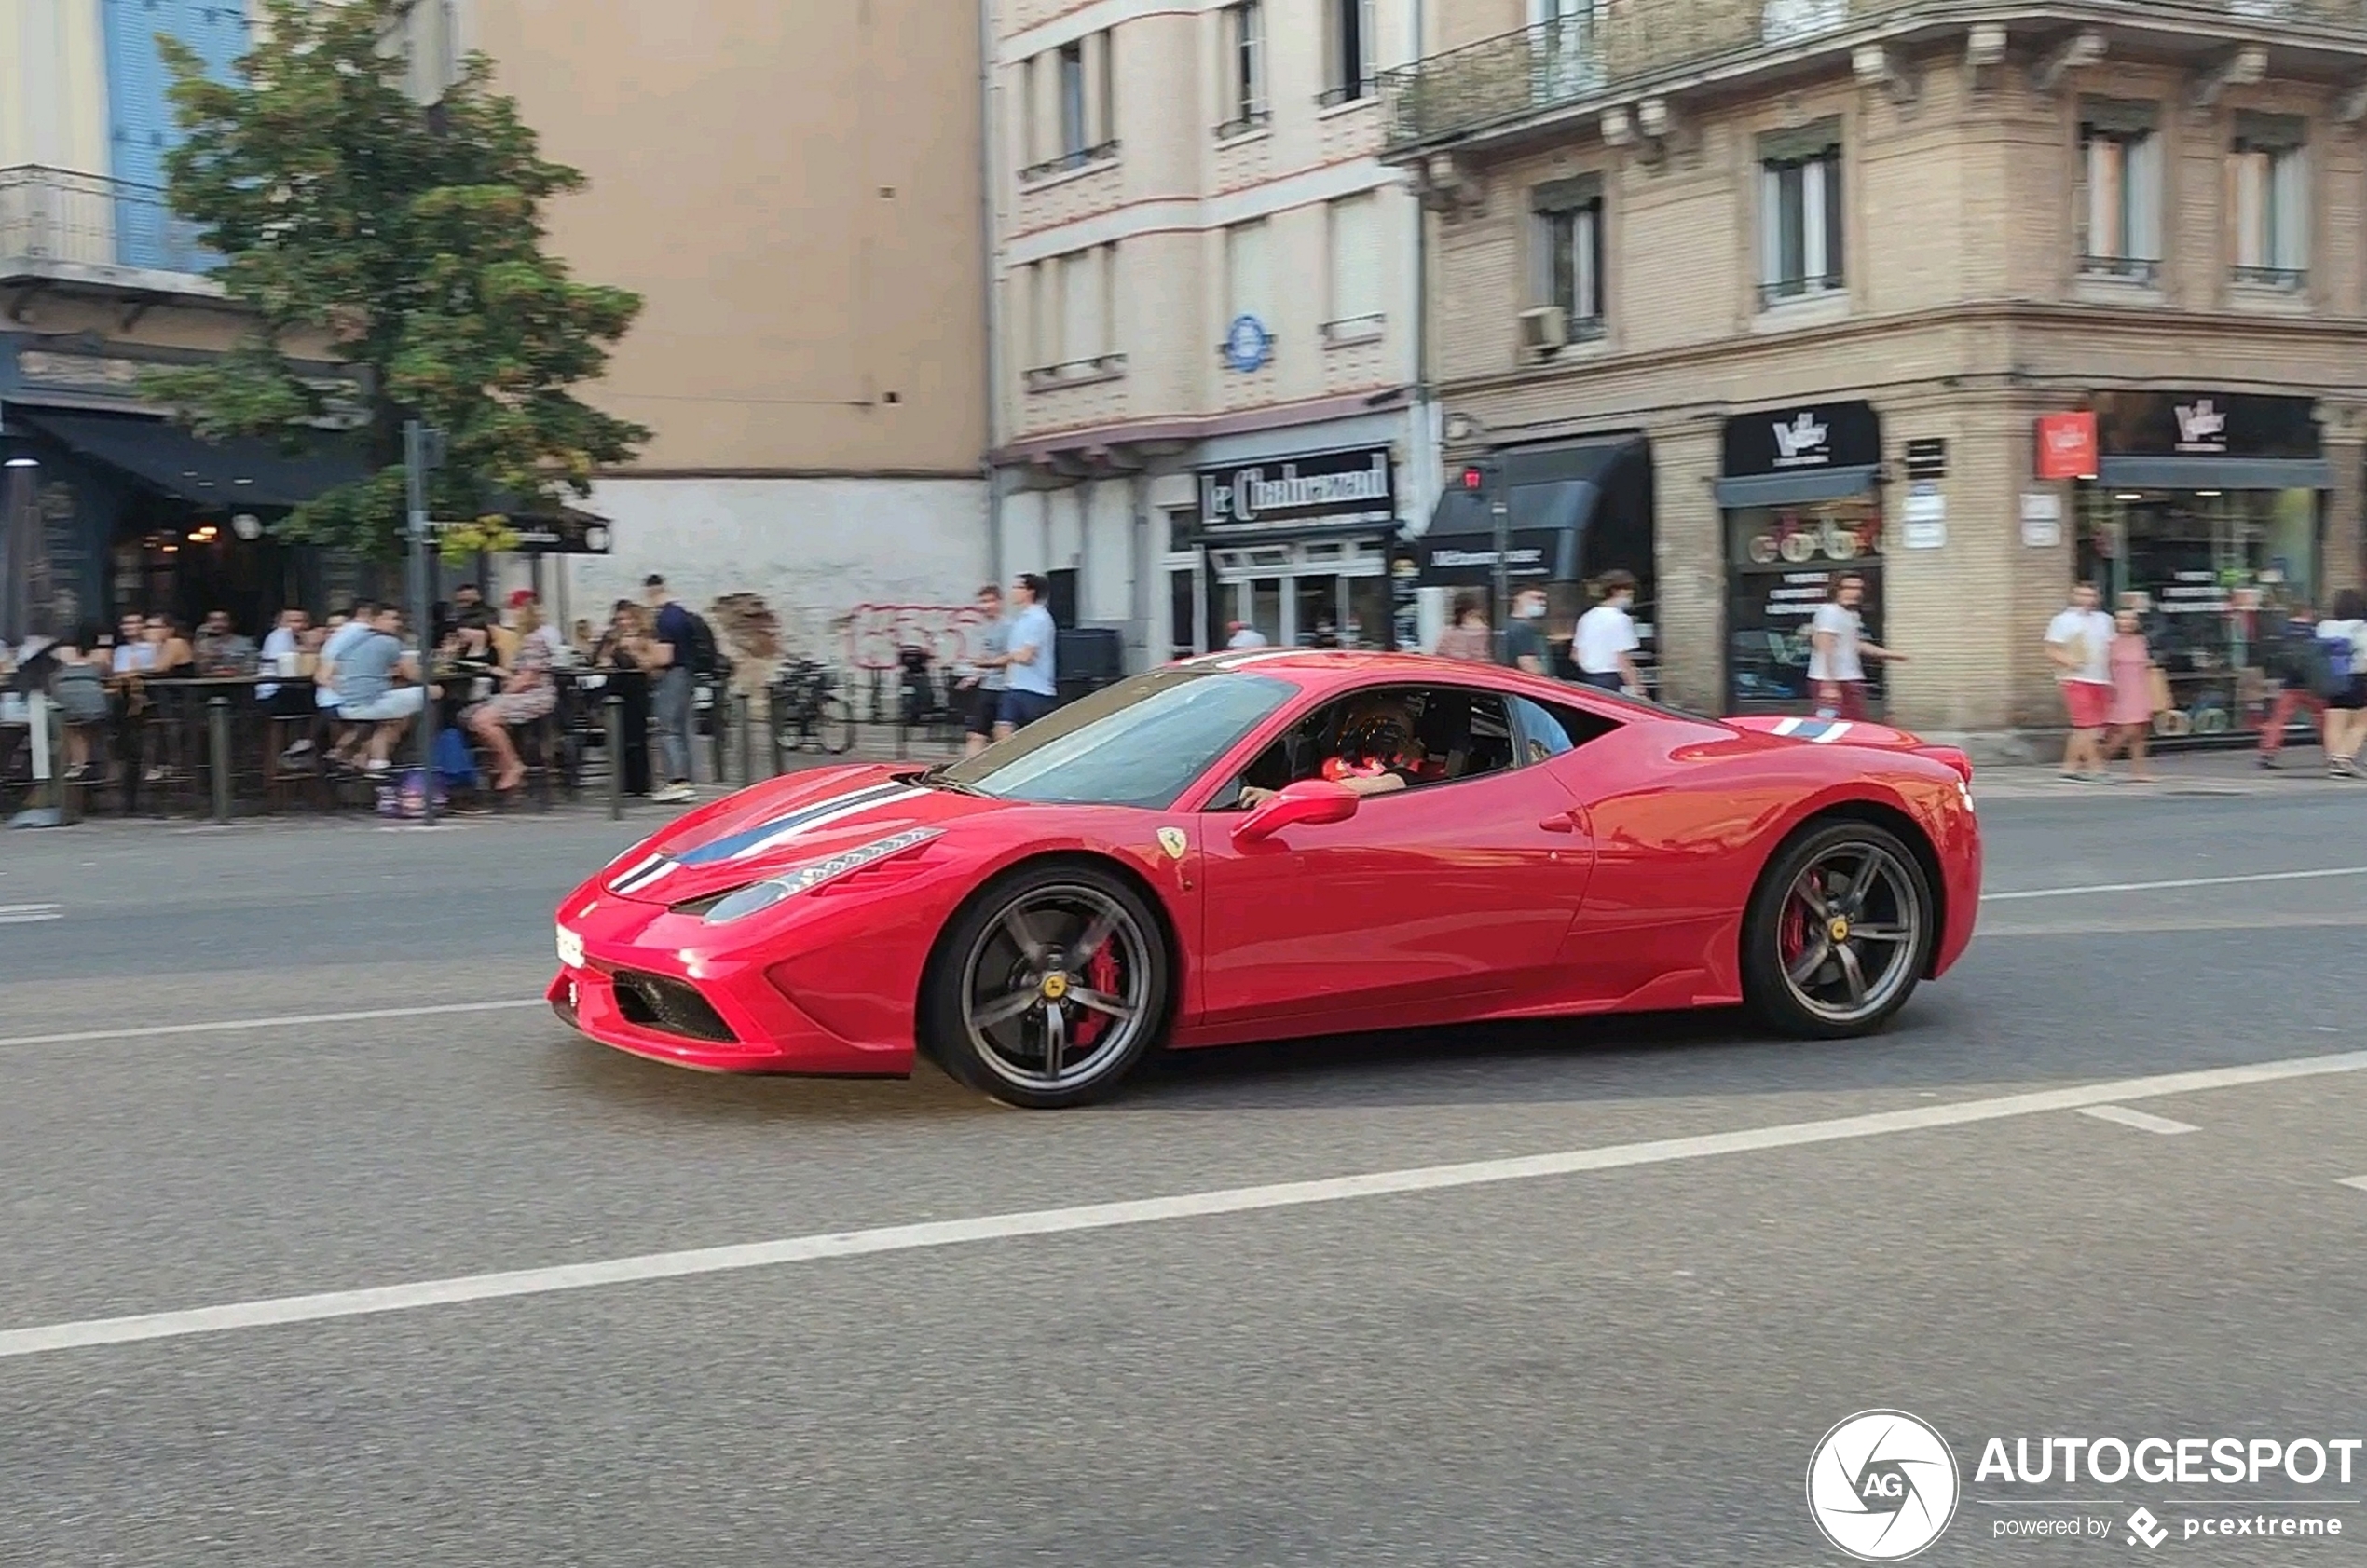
pixel 2079 643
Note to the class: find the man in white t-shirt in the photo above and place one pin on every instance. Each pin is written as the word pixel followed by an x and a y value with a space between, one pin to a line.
pixel 2079 643
pixel 1604 646
pixel 1837 651
pixel 1245 636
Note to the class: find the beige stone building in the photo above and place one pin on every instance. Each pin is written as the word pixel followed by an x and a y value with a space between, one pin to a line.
pixel 1206 339
pixel 1827 264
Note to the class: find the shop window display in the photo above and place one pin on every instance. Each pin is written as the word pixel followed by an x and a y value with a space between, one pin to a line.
pixel 2212 575
pixel 1782 564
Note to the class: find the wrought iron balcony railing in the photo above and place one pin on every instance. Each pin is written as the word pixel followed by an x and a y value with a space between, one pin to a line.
pixel 1503 80
pixel 53 216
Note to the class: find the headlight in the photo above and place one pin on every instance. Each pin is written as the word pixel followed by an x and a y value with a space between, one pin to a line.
pixel 764 894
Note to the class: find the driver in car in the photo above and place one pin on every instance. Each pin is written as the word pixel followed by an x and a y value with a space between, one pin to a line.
pixel 1378 751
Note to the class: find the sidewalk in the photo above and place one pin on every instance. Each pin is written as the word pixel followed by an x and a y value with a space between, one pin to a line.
pixel 2302 772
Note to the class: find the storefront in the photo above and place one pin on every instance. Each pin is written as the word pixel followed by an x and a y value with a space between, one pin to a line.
pixel 139 514
pixel 2206 512
pixel 1573 511
pixel 1295 548
pixel 1800 495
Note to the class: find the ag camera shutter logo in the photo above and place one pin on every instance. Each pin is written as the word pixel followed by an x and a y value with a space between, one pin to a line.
pixel 1882 1485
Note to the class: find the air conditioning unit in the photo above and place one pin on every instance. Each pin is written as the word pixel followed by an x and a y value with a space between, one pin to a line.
pixel 1544 330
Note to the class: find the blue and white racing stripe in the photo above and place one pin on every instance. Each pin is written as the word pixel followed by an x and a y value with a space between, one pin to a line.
pixel 1818 731
pixel 764 836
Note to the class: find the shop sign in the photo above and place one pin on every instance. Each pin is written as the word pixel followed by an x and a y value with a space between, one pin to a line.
pixel 1820 435
pixel 2042 521
pixel 2067 445
pixel 1274 494
pixel 1924 520
pixel 114 381
pixel 2205 425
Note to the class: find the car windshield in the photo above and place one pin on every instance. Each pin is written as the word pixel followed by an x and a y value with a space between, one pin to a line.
pixel 1138 742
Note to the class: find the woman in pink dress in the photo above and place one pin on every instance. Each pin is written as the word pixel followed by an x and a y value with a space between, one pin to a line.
pixel 2131 714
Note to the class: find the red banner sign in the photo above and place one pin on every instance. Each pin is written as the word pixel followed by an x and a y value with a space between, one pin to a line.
pixel 2067 445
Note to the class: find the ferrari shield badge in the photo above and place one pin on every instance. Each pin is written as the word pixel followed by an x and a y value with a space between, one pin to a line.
pixel 1171 839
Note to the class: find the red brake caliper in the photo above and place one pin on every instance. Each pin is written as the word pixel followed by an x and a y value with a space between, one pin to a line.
pixel 1101 973
pixel 1791 932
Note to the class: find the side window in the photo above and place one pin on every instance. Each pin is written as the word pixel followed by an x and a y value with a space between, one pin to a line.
pixel 1548 730
pixel 1430 735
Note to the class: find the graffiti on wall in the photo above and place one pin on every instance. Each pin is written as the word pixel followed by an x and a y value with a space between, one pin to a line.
pixel 873 635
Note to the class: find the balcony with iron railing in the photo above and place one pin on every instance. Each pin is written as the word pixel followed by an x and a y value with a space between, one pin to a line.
pixel 1499 83
pixel 55 223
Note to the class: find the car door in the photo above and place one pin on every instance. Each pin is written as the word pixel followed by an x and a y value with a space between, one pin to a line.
pixel 1424 900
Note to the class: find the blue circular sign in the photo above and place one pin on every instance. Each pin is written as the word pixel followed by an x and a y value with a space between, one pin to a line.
pixel 1247 343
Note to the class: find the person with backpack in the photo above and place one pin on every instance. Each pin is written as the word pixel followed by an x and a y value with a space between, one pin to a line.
pixel 679 636
pixel 2297 663
pixel 2342 637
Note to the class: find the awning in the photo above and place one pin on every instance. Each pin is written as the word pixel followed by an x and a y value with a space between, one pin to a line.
pixel 1549 495
pixel 2215 473
pixel 1791 489
pixel 245 471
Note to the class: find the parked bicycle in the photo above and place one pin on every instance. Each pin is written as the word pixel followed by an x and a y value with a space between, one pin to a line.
pixel 808 713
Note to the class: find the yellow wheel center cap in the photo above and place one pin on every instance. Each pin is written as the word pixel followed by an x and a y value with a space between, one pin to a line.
pixel 1839 929
pixel 1056 985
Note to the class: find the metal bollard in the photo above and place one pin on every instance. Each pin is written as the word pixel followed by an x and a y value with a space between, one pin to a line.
pixel 612 717
pixel 742 711
pixel 217 724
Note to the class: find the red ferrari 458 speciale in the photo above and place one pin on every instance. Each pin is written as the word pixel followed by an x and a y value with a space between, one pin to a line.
pixel 1261 845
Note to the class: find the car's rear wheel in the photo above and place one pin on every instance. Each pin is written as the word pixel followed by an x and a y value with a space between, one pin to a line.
pixel 1049 989
pixel 1839 931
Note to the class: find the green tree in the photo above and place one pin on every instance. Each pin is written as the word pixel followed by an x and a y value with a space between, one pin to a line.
pixel 413 239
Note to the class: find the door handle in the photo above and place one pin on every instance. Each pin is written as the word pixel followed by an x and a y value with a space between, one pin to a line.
pixel 1563 823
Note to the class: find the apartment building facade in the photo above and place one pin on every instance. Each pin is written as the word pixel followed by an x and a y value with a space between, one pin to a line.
pixel 1206 316
pixel 1967 299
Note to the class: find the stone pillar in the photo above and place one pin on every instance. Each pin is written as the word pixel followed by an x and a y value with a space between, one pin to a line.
pixel 2344 430
pixel 1688 558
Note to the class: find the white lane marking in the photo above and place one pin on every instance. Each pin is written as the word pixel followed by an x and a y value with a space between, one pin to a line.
pixel 2177 882
pixel 284 1020
pixel 2142 1121
pixel 28 914
pixel 2357 1182
pixel 1140 1212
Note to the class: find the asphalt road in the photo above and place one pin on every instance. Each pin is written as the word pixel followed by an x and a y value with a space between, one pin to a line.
pixel 1623 1356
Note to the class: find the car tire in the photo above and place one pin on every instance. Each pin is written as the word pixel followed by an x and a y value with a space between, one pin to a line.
pixel 1842 887
pixel 1049 988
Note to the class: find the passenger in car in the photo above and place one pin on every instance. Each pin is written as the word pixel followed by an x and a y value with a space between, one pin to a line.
pixel 1378 751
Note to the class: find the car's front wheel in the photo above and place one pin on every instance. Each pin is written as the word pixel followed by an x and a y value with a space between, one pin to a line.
pixel 1048 988
pixel 1839 931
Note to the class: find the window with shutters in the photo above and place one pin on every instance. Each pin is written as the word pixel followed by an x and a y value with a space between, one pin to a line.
pixel 1348 49
pixel 1800 206
pixel 1242 68
pixel 1353 223
pixel 2119 199
pixel 2268 200
pixel 1246 280
pixel 1568 238
pixel 1068 107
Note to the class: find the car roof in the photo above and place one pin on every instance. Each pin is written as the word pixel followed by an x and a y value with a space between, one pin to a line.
pixel 1317 669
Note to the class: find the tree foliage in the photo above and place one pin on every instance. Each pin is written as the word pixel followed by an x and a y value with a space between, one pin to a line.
pixel 413 239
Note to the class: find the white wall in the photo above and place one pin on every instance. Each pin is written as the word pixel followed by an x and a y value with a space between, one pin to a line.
pixel 813 549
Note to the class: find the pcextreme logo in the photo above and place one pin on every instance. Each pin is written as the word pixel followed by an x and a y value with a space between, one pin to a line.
pixel 1882 1485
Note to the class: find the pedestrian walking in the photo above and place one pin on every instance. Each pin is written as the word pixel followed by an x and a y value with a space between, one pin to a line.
pixel 1032 686
pixel 1468 638
pixel 1524 637
pixel 1838 650
pixel 2079 642
pixel 1604 646
pixel 2131 712
pixel 2297 661
pixel 678 637
pixel 983 682
pixel 2342 638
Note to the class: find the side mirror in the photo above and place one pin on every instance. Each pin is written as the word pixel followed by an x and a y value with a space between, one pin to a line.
pixel 1310 800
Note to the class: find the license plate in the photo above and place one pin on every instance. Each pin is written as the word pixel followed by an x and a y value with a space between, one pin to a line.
pixel 570 949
